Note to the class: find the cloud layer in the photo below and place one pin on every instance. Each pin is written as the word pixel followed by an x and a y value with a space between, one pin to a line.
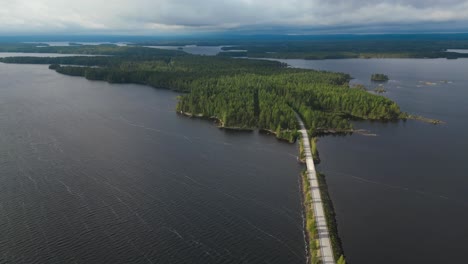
pixel 181 16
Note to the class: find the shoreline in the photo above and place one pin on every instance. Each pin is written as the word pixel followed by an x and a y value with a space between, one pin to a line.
pixel 425 120
pixel 216 120
pixel 239 129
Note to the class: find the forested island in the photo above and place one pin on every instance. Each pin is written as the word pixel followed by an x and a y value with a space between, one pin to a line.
pixel 379 77
pixel 238 93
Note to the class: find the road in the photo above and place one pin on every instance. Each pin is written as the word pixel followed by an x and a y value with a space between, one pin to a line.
pixel 325 247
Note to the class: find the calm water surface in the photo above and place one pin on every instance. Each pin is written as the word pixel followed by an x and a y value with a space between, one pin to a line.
pixel 194 49
pixel 67 43
pixel 402 197
pixel 52 55
pixel 97 173
pixel 100 173
pixel 458 50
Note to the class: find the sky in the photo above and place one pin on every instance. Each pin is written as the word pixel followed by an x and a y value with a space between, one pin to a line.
pixel 152 17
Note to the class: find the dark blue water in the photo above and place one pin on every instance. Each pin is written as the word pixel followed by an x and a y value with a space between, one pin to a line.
pixel 402 196
pixel 92 172
pixel 98 173
pixel 194 49
pixel 25 54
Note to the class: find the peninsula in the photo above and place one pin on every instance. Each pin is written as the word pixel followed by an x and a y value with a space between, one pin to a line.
pixel 239 93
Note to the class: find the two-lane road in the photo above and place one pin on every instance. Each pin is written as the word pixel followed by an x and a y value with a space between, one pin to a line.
pixel 325 247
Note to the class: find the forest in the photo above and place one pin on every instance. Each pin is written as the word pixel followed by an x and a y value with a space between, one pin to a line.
pixel 238 93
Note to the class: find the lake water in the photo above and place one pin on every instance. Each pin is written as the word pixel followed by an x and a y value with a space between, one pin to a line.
pixel 194 49
pixel 92 172
pixel 402 196
pixel 67 43
pixel 52 55
pixel 458 50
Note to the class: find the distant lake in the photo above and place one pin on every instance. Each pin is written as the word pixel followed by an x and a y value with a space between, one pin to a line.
pixel 67 43
pixel 402 196
pixel 458 50
pixel 27 54
pixel 196 50
pixel 92 172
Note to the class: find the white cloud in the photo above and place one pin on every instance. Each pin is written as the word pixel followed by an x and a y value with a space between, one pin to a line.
pixel 156 16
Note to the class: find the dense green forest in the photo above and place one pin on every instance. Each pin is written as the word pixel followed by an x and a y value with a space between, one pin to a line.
pixel 358 47
pixel 239 93
pixel 347 49
pixel 105 49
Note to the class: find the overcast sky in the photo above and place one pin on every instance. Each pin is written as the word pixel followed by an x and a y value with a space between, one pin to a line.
pixel 182 16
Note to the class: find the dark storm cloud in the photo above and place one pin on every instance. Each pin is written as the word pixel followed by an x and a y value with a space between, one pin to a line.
pixel 155 16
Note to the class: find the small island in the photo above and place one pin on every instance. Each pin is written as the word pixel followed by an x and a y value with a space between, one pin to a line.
pixel 380 90
pixel 378 77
